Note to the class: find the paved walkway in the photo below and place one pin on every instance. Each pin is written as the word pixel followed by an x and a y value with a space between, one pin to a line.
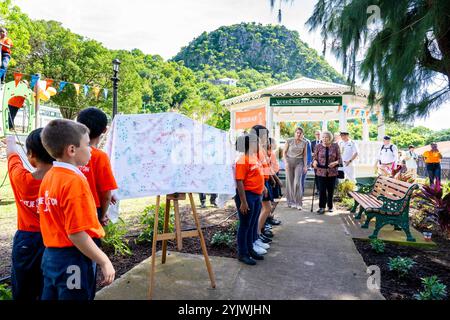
pixel 312 257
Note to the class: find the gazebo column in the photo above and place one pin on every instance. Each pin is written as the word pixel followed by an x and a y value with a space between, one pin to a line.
pixel 366 133
pixel 324 125
pixel 277 133
pixel 269 118
pixel 343 119
pixel 233 122
pixel 381 126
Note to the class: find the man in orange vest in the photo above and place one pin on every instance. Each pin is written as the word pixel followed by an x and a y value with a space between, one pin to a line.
pixel 6 44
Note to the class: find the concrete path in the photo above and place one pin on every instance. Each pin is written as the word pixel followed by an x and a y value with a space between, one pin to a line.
pixel 312 257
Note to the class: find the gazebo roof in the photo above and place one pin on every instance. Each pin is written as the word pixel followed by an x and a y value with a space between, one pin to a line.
pixel 298 88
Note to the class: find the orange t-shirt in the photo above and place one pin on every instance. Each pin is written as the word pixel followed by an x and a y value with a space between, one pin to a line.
pixel 66 207
pixel 249 170
pixel 265 162
pixel 16 101
pixel 26 194
pixel 8 42
pixel 99 174
pixel 432 156
pixel 274 163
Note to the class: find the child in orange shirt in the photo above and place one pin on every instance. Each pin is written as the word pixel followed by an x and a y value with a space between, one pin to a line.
pixel 250 188
pixel 98 171
pixel 68 217
pixel 26 274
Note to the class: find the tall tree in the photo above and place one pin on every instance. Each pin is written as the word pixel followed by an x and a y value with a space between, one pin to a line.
pixel 405 46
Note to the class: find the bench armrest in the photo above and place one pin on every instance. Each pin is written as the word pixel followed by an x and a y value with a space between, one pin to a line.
pixel 392 206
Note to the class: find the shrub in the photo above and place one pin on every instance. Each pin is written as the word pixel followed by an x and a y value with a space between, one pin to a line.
pixel 115 238
pixel 234 226
pixel 433 289
pixel 223 239
pixel 437 207
pixel 5 292
pixel 377 245
pixel 348 203
pixel 148 220
pixel 344 188
pixel 400 265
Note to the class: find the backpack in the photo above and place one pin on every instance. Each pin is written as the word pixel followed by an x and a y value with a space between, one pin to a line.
pixel 391 147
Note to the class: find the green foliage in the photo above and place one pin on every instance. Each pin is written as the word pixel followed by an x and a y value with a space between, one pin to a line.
pixel 406 31
pixel 257 49
pixel 433 289
pixel 223 239
pixel 377 245
pixel 115 238
pixel 344 188
pixel 5 292
pixel 234 226
pixel 400 265
pixel 148 221
pixel 348 203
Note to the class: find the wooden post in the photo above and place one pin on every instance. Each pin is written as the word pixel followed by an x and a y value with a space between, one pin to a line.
pixel 166 230
pixel 155 239
pixel 178 225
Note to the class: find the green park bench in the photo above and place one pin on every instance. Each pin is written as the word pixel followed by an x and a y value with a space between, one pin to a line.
pixel 388 201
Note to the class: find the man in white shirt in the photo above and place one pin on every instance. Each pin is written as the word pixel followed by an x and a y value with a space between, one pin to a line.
pixel 411 162
pixel 349 152
pixel 388 158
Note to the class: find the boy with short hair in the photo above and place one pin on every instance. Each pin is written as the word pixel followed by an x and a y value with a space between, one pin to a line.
pixel 68 217
pixel 6 45
pixel 26 274
pixel 98 171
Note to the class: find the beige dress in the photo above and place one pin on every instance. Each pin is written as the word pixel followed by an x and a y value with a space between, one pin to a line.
pixel 294 171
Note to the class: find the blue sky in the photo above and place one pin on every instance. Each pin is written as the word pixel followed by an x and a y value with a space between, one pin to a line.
pixel 163 27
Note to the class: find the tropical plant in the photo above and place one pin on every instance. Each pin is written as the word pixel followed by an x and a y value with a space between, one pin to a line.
pixel 344 188
pixel 148 221
pixel 437 206
pixel 400 265
pixel 5 292
pixel 115 238
pixel 223 239
pixel 433 289
pixel 377 245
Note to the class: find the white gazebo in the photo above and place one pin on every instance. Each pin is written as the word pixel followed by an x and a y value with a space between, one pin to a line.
pixel 306 99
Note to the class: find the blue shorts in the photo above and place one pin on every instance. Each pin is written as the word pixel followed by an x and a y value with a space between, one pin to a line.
pixel 68 275
pixel 270 192
pixel 26 274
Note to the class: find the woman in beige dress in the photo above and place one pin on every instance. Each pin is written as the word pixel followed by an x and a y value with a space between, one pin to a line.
pixel 295 156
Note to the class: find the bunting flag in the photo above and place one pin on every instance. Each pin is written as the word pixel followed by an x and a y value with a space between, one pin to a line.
pixel 96 92
pixel 105 93
pixel 17 78
pixel 77 88
pixel 34 79
pixel 345 108
pixel 352 112
pixel 339 109
pixel 62 84
pixel 363 113
pixel 86 90
pixel 49 82
pixel 356 112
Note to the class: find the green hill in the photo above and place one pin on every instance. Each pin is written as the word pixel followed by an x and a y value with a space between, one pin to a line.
pixel 266 49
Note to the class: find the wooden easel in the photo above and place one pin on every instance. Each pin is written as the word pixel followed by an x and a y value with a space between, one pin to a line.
pixel 178 235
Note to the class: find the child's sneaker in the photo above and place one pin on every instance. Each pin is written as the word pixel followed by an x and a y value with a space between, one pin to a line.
pixel 259 250
pixel 261 244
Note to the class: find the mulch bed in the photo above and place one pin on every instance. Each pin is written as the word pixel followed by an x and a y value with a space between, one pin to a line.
pixel 429 262
pixel 141 252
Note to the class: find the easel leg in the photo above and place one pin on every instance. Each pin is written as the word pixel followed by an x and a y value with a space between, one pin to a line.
pixel 202 242
pixel 155 237
pixel 178 225
pixel 166 230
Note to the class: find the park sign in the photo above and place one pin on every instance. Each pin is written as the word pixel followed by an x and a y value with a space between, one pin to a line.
pixel 305 101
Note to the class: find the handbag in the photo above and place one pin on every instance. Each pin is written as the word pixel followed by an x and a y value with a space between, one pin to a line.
pixel 341 173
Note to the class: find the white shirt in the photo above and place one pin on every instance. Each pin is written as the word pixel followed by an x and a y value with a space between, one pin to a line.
pixel 68 166
pixel 411 159
pixel 387 156
pixel 348 150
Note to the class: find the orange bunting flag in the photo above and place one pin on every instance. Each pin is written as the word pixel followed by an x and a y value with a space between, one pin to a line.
pixel 49 82
pixel 96 92
pixel 356 112
pixel 17 78
pixel 339 109
pixel 77 88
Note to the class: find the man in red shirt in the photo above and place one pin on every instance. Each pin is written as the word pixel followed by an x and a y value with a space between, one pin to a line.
pixel 6 44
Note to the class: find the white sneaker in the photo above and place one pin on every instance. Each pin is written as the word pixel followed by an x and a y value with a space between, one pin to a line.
pixel 261 244
pixel 259 250
pixel 300 208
